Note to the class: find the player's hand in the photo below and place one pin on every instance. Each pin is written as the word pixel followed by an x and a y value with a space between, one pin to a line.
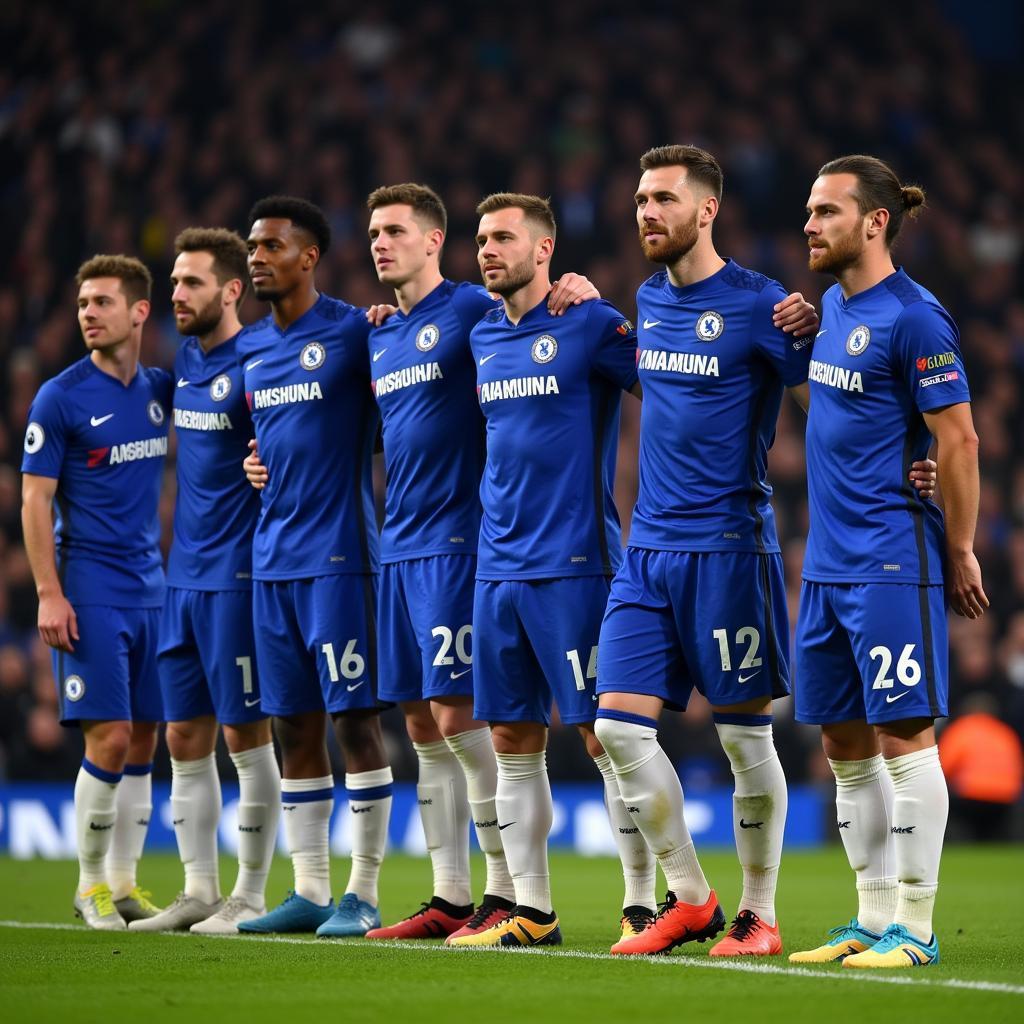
pixel 379 312
pixel 570 290
pixel 255 471
pixel 796 316
pixel 923 475
pixel 58 623
pixel 963 586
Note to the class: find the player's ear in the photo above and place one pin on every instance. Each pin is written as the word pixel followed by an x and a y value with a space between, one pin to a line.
pixel 311 257
pixel 140 312
pixel 708 210
pixel 232 291
pixel 545 247
pixel 435 239
pixel 876 222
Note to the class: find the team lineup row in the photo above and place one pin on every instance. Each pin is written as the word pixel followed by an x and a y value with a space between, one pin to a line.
pixel 498 583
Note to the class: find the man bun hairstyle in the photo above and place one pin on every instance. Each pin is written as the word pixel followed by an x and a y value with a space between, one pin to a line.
pixel 136 280
pixel 879 188
pixel 535 209
pixel 226 247
pixel 701 167
pixel 425 202
pixel 301 212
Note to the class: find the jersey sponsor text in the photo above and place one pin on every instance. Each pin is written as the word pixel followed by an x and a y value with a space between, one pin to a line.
pixel 689 363
pixel 409 375
pixel 835 376
pixel 264 398
pixel 193 419
pixel 518 387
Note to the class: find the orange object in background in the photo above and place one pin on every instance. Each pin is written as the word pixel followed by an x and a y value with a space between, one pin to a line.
pixel 982 759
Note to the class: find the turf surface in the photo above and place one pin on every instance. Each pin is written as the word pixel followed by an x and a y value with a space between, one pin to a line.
pixel 68 973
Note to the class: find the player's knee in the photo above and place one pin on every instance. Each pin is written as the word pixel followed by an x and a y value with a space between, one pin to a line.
pixel 746 746
pixel 361 740
pixel 616 738
pixel 590 740
pixel 107 744
pixel 454 718
pixel 243 737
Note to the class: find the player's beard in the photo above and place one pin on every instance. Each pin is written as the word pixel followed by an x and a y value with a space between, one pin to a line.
pixel 839 255
pixel 519 275
pixel 206 320
pixel 673 246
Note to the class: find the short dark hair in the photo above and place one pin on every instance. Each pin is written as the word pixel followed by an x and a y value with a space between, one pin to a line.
pixel 425 202
pixel 701 166
pixel 136 280
pixel 226 247
pixel 879 188
pixel 301 212
pixel 535 209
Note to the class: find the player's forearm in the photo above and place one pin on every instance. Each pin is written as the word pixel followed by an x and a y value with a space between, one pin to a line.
pixel 958 475
pixel 37 525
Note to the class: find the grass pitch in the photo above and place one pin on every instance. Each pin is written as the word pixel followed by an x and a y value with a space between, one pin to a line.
pixel 52 970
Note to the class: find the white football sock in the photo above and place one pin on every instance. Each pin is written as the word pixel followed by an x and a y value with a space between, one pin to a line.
pixel 639 868
pixel 654 798
pixel 134 807
pixel 864 806
pixel 759 806
pixel 259 812
pixel 95 799
pixel 919 814
pixel 195 813
pixel 475 752
pixel 525 814
pixel 369 801
pixel 306 806
pixel 444 812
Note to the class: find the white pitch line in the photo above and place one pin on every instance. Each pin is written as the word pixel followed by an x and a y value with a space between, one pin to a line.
pixel 739 966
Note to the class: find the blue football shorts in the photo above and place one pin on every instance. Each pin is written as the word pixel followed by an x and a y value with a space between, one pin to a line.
pixel 711 620
pixel 425 636
pixel 872 651
pixel 534 641
pixel 316 643
pixel 112 674
pixel 207 656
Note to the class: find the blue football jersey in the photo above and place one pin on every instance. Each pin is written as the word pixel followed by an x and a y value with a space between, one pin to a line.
pixel 308 391
pixel 550 388
pixel 423 378
pixel 216 508
pixel 713 369
pixel 881 359
pixel 104 443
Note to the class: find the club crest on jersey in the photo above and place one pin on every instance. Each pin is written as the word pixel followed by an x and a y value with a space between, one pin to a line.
pixel 220 388
pixel 312 356
pixel 544 349
pixel 74 688
pixel 427 337
pixel 156 413
pixel 858 340
pixel 710 325
pixel 35 438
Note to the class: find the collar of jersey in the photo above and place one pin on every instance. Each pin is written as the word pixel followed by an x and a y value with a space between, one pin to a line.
pixel 530 315
pixel 297 324
pixel 869 293
pixel 431 299
pixel 698 286
pixel 212 362
pixel 103 375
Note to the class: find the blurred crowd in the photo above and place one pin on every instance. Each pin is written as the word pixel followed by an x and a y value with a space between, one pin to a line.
pixel 120 124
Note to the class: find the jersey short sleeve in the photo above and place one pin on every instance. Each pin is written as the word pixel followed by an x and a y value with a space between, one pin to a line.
pixel 611 343
pixel 471 303
pixel 789 356
pixel 46 434
pixel 926 352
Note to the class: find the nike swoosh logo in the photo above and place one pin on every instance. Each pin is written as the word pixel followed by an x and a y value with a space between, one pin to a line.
pixel 182 382
pixel 820 333
pixel 746 679
pixel 377 355
pixel 252 703
pixel 500 827
pixel 254 364
pixel 354 686
pixel 483 359
pixel 97 420
pixel 890 699
pixel 648 324
pixel 459 675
